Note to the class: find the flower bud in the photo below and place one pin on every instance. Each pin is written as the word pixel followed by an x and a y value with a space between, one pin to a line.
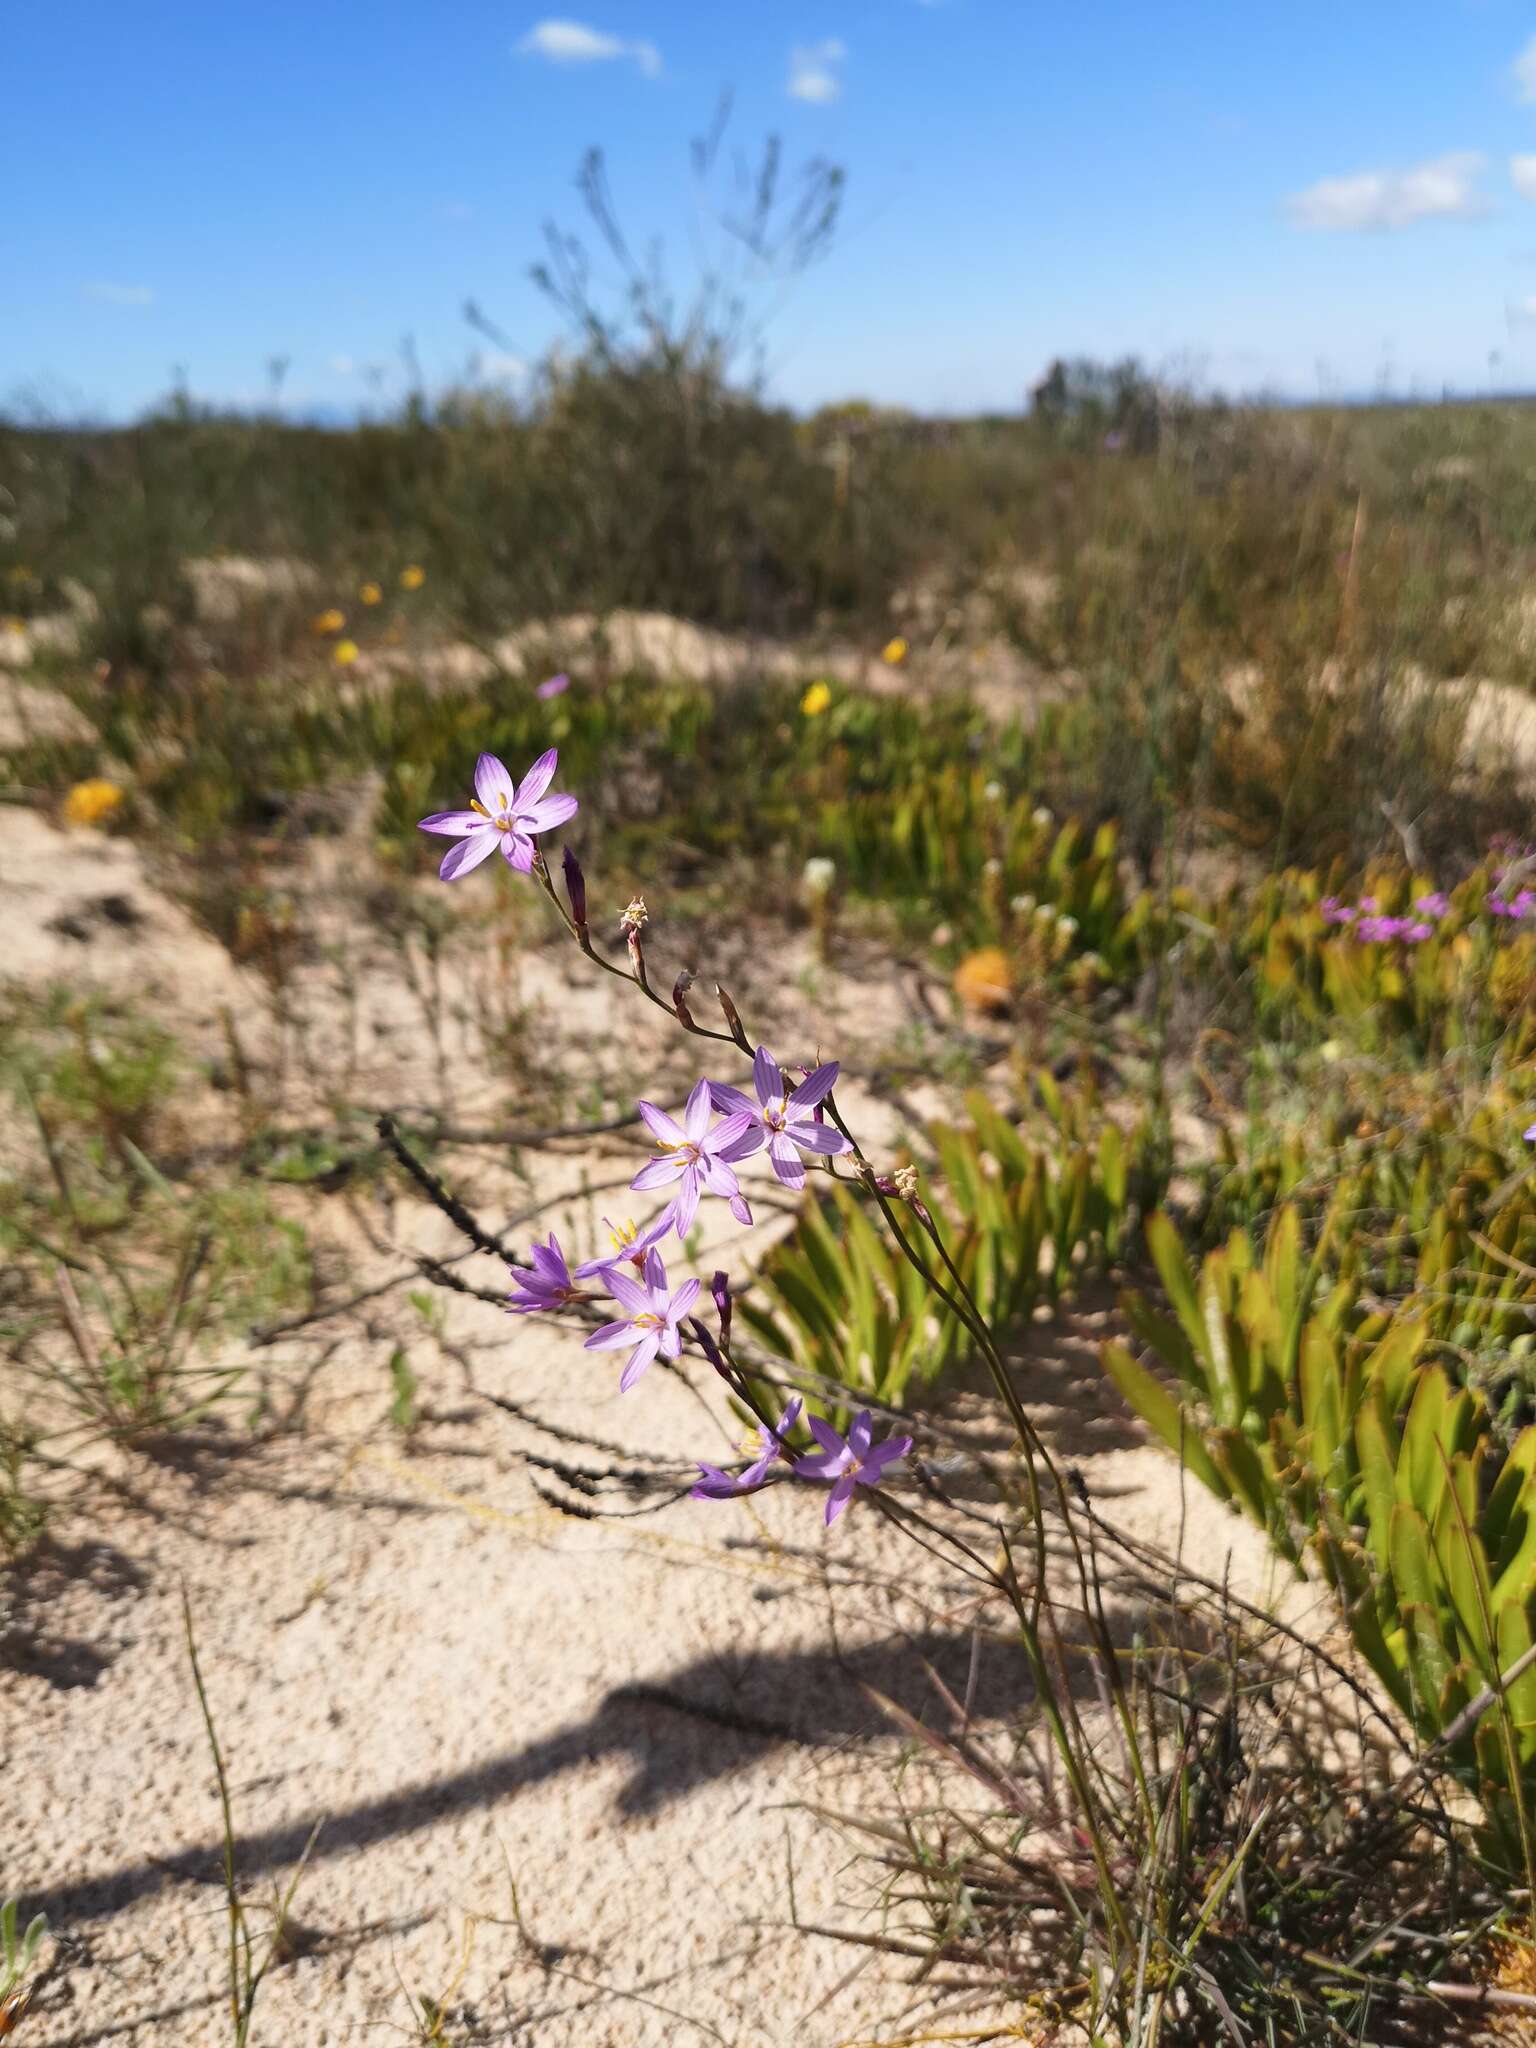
pixel 720 1288
pixel 732 1020
pixel 680 989
pixel 575 888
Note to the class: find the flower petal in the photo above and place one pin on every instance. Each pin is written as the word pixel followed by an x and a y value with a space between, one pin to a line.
pixel 536 781
pixel 766 1078
pixel 826 1436
pixel 787 1163
pixel 750 1141
pixel 683 1300
pixel 453 824
pixel 664 1129
pixel 685 1203
pixel 815 1086
pixel 839 1497
pixel 891 1452
pixel 628 1293
pixel 728 1101
pixel 860 1430
pixel 713 1484
pixel 494 784
pixel 547 813
pixel 644 1358
pixel 657 1173
pixel 467 854
pixel 518 850
pixel 610 1337
pixel 817 1137
pixel 698 1111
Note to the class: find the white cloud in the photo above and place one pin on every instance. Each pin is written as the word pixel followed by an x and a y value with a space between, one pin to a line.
pixel 1444 188
pixel 1522 175
pixel 572 42
pixel 813 71
pixel 343 365
pixel 1523 72
pixel 498 366
pixel 120 294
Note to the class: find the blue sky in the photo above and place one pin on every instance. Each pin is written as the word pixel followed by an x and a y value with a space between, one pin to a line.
pixel 1270 196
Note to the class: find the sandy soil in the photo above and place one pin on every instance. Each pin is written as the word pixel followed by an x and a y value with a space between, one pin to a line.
pixel 408 1643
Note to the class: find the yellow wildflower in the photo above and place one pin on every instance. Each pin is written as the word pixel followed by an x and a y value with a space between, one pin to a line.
pixel 894 651
pixel 344 653
pixel 92 802
pixel 330 621
pixel 412 577
pixel 370 593
pixel 816 700
pixel 982 981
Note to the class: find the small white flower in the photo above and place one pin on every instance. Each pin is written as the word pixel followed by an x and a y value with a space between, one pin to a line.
pixel 819 874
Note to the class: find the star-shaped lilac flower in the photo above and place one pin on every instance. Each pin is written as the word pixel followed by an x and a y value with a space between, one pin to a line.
pixel 548 1285
pixel 767 1446
pixel 788 1121
pixel 629 1248
pixel 856 1461
pixel 651 1326
pixel 696 1157
pixel 505 814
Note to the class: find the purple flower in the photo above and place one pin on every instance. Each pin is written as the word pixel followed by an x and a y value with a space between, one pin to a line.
pixel 1380 930
pixel 1369 903
pixel 652 1323
pixel 787 1121
pixel 765 1448
pixel 695 1156
pixel 505 814
pixel 1435 904
pixel 555 687
pixel 630 1247
pixel 1413 933
pixel 548 1285
pixel 855 1462
pixel 1530 1135
pixel 1335 912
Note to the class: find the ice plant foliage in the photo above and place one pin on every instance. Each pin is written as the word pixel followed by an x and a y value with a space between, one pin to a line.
pixel 506 816
pixel 783 1119
pixel 696 1157
pixel 655 1311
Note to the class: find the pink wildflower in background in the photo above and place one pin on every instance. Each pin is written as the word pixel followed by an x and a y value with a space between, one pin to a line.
pixel 505 816
pixel 555 687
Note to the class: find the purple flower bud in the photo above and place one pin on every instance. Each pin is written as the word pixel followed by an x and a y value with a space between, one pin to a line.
pixel 680 989
pixel 575 887
pixel 720 1288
